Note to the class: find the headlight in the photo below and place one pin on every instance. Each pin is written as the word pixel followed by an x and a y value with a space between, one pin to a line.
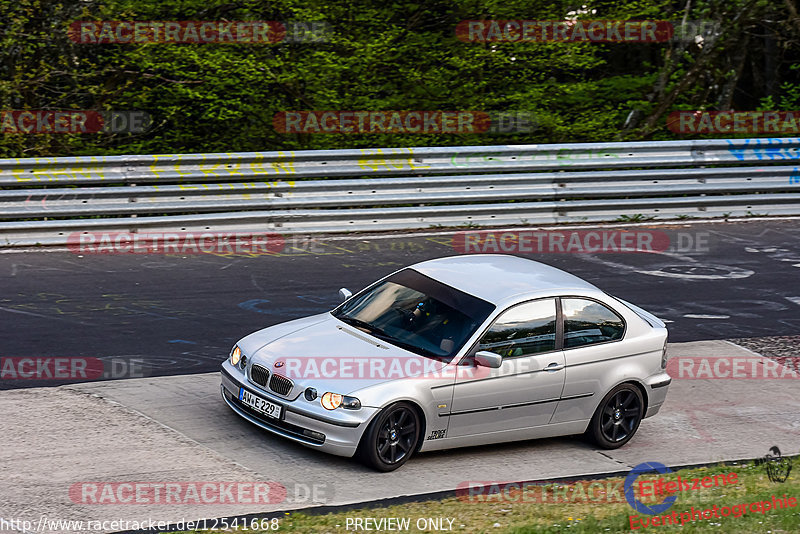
pixel 331 401
pixel 236 355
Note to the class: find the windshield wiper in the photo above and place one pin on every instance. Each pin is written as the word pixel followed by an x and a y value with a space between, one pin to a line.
pixel 380 334
pixel 358 323
pixel 414 348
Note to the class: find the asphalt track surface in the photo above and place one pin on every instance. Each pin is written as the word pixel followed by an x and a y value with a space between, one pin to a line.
pixel 177 429
pixel 173 315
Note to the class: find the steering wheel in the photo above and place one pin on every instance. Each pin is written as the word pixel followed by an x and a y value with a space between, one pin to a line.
pixel 413 317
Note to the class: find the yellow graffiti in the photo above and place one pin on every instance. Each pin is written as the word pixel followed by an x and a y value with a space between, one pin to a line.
pixel 397 163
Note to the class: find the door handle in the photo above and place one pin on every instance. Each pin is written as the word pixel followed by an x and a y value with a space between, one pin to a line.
pixel 554 367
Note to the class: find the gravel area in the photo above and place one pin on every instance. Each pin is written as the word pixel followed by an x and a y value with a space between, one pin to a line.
pixel 772 346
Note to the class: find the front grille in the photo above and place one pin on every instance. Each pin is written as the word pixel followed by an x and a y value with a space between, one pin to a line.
pixel 294 430
pixel 280 385
pixel 259 375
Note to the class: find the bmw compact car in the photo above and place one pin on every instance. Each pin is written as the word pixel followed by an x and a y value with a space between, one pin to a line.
pixel 453 352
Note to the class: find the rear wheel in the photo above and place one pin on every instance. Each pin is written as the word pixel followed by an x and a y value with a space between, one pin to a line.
pixel 617 417
pixel 391 438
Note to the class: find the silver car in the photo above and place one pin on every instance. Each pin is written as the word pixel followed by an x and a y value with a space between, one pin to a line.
pixel 453 352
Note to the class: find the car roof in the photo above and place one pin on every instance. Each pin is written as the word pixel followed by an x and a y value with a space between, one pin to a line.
pixel 496 277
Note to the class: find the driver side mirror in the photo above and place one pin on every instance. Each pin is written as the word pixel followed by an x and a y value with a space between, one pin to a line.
pixel 345 294
pixel 488 359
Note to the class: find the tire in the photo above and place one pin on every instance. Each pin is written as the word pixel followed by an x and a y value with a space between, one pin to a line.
pixel 380 448
pixel 617 417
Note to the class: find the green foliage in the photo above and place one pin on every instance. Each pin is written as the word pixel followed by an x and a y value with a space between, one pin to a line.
pixel 382 56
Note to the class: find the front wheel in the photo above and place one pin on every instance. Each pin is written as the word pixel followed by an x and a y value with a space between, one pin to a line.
pixel 391 438
pixel 617 417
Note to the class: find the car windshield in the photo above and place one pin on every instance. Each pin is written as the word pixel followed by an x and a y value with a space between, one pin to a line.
pixel 417 313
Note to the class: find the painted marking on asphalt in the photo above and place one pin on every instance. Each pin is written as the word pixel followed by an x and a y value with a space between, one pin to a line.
pixel 704 316
pixel 796 300
pixel 252 305
pixel 700 271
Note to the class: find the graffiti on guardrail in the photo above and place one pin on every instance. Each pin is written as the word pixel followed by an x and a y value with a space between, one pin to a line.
pixel 281 164
pixel 774 148
pixel 173 171
pixel 390 159
pixel 561 157
pixel 41 197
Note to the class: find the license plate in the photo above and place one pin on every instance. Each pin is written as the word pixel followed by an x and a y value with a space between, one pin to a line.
pixel 261 405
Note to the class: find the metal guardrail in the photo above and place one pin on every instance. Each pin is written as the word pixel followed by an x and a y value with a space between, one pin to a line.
pixel 45 199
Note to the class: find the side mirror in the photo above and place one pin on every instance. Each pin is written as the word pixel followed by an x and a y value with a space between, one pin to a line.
pixel 488 359
pixel 345 294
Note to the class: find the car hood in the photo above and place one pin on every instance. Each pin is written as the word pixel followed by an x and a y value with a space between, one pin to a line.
pixel 329 355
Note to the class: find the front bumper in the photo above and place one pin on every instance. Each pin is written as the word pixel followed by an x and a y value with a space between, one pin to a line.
pixel 340 436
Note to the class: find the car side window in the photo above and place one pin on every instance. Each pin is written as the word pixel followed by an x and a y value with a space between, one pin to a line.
pixel 523 330
pixel 587 322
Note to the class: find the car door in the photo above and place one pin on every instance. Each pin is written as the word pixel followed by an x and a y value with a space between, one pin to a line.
pixel 524 391
pixel 593 344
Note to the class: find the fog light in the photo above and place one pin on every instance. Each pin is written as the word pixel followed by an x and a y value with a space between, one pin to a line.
pixel 311 394
pixel 319 436
pixel 243 362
